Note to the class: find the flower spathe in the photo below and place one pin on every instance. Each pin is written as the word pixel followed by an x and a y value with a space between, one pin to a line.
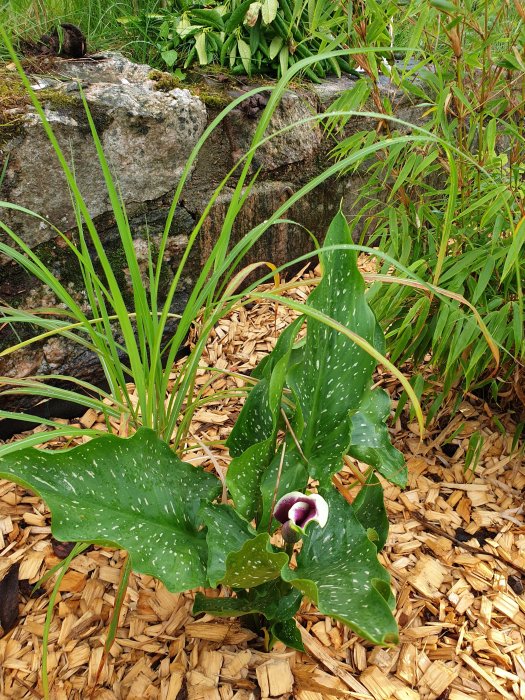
pixel 295 510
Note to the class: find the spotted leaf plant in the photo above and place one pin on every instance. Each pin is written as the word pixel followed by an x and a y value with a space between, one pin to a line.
pixel 313 404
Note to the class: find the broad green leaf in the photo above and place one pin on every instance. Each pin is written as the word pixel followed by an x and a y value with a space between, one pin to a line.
pixel 169 57
pixel 255 563
pixel 132 493
pixel 370 441
pixel 338 570
pixel 244 476
pixel 334 374
pixel 278 601
pixel 369 507
pixel 269 12
pixel 223 607
pixel 200 45
pixel 236 556
pixel 246 55
pixel 227 532
pixel 286 631
pixel 275 46
pixel 257 420
pixel 255 423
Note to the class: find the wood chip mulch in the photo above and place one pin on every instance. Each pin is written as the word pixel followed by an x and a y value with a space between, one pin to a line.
pixel 456 553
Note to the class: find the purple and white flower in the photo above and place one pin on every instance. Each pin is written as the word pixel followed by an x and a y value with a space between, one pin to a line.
pixel 295 510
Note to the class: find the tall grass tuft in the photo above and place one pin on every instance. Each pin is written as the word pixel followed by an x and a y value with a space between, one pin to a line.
pixel 99 20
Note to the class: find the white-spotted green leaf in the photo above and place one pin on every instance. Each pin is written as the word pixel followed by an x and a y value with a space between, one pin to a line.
pixel 237 557
pixel 286 631
pixel 269 11
pixel 255 423
pixel 370 441
pixel 260 413
pixel 334 374
pixel 227 532
pixel 132 493
pixel 252 440
pixel 338 570
pixel 276 600
pixel 244 475
pixel 369 507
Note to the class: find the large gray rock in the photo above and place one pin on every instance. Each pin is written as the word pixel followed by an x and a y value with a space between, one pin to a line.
pixel 299 141
pixel 146 135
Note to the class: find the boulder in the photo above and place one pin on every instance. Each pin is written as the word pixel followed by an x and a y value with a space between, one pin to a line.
pixel 147 134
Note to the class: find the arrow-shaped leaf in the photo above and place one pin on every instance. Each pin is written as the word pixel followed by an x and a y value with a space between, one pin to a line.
pixel 370 439
pixel 334 373
pixel 133 493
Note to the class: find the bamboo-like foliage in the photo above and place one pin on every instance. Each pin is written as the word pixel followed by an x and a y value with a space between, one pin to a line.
pixel 451 210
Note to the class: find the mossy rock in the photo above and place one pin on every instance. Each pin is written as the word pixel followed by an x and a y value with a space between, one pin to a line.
pixel 164 82
pixel 58 98
pixel 13 101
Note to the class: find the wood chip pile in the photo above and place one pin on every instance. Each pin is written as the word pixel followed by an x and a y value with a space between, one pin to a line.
pixel 456 553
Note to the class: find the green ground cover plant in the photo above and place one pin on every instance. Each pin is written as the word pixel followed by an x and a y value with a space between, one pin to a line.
pixel 99 20
pixel 244 37
pixel 136 493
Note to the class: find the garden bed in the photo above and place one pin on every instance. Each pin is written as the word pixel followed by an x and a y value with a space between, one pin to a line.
pixel 460 606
